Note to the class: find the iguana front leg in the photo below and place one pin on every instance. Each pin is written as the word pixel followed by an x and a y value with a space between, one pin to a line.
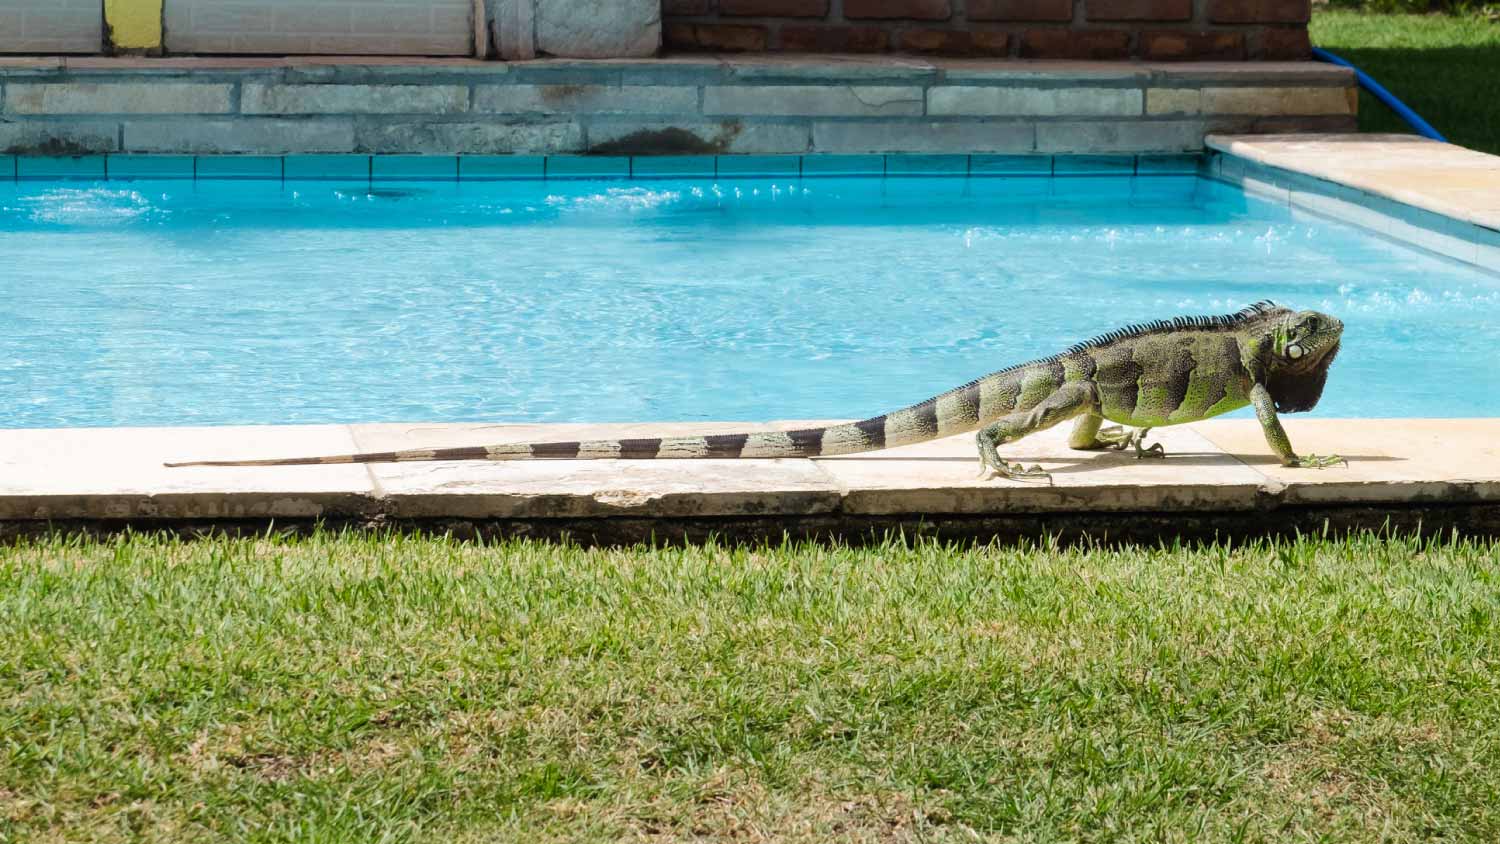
pixel 1068 401
pixel 1270 425
pixel 1087 436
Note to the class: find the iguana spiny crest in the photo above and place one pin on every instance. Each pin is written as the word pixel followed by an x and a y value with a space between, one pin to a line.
pixel 1142 376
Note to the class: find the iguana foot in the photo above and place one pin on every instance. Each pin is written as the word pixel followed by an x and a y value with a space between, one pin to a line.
pixel 1314 461
pixel 1014 472
pixel 1119 439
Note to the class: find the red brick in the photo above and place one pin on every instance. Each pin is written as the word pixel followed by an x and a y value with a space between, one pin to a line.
pixel 926 10
pixel 834 39
pixel 1020 10
pixel 684 7
pixel 775 8
pixel 1075 44
pixel 1282 43
pixel 1138 10
pixel 1259 11
pixel 1176 45
pixel 956 42
pixel 715 36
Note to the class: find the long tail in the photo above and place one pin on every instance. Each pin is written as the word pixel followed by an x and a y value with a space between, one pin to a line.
pixel 953 412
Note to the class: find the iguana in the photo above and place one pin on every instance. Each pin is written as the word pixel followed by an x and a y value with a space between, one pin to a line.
pixel 1147 375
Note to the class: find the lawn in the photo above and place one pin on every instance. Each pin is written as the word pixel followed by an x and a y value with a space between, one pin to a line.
pixel 1446 68
pixel 367 689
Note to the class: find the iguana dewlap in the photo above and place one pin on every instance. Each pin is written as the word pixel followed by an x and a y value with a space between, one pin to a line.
pixel 1144 376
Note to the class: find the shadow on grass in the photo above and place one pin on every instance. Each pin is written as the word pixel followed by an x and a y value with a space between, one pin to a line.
pixel 1456 89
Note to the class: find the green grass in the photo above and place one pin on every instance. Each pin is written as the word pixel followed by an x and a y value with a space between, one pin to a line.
pixel 394 689
pixel 1447 68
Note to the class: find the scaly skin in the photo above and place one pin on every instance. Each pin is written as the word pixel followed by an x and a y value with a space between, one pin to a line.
pixel 1143 376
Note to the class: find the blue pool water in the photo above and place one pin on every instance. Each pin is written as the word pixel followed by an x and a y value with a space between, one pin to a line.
pixel 174 303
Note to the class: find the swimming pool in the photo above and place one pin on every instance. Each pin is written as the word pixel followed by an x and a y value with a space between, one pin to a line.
pixel 182 303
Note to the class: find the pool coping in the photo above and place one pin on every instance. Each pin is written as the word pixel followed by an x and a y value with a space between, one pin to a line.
pixel 1439 197
pixel 1220 476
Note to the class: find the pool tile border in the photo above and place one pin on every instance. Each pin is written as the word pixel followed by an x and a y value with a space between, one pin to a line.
pixel 463 168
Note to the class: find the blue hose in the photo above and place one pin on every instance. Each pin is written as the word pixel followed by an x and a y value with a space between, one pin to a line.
pixel 1412 119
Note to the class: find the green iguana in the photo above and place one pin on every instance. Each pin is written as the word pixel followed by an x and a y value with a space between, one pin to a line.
pixel 1148 375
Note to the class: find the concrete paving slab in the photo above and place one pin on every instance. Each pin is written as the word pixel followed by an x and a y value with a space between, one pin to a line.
pixel 941 477
pixel 117 473
pixel 1217 472
pixel 587 488
pixel 1408 461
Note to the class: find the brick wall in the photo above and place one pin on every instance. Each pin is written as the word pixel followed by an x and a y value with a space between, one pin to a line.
pixel 1162 30
pixel 389 27
pixel 55 26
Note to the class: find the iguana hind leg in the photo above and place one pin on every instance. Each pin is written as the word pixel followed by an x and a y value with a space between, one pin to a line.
pixel 1067 402
pixel 1087 436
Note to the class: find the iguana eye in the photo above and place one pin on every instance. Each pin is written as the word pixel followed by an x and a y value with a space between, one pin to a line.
pixel 1313 323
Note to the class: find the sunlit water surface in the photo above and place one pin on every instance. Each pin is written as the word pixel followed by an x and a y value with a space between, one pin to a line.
pixel 156 303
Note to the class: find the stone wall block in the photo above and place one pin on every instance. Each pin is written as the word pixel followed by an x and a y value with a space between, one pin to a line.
pixel 728 137
pixel 1277 101
pixel 1173 101
pixel 56 137
pixel 1111 136
pixel 471 138
pixel 259 98
pixel 54 26
pixel 598 29
pixel 813 100
pixel 586 99
pixel 911 136
pixel 118 98
pixel 963 100
pixel 366 27
pixel 264 136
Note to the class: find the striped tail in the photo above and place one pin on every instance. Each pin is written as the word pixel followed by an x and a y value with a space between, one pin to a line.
pixel 954 412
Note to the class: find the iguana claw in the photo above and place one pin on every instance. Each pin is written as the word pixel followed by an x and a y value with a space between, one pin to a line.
pixel 1119 439
pixel 1015 472
pixel 1314 461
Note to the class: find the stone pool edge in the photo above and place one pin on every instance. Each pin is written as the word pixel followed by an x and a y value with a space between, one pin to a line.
pixel 1435 196
pixel 1437 474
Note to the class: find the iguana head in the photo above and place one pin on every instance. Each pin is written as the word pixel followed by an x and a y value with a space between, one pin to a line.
pixel 1302 346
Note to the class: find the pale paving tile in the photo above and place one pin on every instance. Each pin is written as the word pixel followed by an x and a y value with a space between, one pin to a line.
pixel 581 488
pixel 117 473
pixel 942 477
pixel 1390 460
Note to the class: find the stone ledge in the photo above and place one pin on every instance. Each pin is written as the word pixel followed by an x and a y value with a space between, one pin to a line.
pixel 682 105
pixel 1445 179
pixel 1216 467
